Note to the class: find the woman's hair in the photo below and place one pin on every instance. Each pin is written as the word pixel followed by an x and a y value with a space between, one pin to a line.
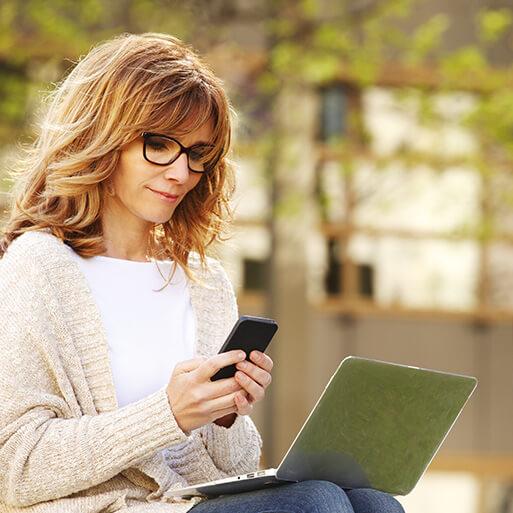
pixel 122 87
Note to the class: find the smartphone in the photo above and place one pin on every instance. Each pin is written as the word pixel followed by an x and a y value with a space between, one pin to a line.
pixel 249 333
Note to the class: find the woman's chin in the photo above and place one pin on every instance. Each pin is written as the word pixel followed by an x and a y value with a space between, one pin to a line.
pixel 166 218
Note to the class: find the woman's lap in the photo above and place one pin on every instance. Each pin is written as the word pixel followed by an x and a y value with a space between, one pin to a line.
pixel 365 500
pixel 304 497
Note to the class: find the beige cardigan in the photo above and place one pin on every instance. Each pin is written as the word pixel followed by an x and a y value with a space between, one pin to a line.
pixel 65 446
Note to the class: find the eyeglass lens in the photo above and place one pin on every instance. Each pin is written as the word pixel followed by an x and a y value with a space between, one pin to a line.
pixel 161 150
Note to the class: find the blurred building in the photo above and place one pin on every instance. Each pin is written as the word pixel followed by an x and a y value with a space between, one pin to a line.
pixel 382 255
pixel 375 249
pixel 382 268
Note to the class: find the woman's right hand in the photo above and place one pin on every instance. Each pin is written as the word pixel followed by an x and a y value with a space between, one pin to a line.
pixel 194 399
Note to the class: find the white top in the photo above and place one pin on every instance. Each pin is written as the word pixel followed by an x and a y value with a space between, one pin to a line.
pixel 148 332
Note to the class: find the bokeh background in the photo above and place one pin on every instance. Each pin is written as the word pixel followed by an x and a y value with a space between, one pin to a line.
pixel 374 209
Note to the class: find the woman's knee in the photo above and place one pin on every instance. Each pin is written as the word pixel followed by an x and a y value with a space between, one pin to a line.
pixel 319 496
pixel 366 500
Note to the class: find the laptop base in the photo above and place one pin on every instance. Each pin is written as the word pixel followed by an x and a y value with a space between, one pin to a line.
pixel 239 484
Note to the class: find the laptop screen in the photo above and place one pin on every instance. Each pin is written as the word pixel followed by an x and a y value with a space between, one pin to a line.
pixel 377 425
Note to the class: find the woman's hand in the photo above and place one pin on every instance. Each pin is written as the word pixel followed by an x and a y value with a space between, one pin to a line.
pixel 253 377
pixel 196 401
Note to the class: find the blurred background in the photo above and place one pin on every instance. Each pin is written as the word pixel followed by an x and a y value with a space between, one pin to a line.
pixel 374 209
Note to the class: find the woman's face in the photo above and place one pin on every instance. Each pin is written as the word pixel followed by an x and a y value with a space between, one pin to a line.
pixel 136 183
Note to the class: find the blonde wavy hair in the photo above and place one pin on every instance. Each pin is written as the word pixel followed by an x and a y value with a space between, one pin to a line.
pixel 122 87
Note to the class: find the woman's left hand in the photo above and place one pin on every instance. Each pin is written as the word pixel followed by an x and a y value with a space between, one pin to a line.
pixel 253 377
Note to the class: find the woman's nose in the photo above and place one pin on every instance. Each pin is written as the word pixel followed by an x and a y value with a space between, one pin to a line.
pixel 178 170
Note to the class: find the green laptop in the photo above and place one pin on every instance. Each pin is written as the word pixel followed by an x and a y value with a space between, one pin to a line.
pixel 376 425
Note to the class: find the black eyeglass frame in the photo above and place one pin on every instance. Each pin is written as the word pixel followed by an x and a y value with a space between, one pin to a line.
pixel 183 149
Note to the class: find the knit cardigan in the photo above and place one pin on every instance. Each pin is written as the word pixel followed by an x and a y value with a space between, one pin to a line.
pixel 65 445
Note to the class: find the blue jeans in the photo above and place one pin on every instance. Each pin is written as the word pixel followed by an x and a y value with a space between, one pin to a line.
pixel 304 497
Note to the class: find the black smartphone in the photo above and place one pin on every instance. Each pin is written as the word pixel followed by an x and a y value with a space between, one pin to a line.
pixel 249 334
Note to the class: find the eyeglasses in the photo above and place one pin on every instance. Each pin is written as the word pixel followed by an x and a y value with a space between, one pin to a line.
pixel 163 150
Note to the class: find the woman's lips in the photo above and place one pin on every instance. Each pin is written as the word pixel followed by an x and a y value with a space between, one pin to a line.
pixel 169 198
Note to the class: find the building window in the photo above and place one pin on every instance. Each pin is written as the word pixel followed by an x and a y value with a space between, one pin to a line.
pixel 334 109
pixel 254 275
pixel 334 277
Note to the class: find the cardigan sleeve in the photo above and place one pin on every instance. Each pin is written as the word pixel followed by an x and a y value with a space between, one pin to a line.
pixel 47 449
pixel 218 451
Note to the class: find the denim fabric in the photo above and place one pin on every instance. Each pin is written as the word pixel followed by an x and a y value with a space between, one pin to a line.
pixel 365 500
pixel 305 497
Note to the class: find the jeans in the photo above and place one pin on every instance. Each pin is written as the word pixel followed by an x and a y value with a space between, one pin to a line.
pixel 304 497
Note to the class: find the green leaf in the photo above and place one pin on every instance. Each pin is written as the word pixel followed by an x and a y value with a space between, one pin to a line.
pixel 268 83
pixel 469 62
pixel 426 38
pixel 284 57
pixel 493 23
pixel 318 68
pixel 330 37
pixel 309 8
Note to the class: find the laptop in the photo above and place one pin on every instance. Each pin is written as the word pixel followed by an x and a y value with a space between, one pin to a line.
pixel 376 425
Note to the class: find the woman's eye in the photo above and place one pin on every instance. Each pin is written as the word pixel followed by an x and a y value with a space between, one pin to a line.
pixel 197 155
pixel 200 153
pixel 156 146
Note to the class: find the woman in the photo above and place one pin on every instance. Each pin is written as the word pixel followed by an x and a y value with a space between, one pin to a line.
pixel 112 314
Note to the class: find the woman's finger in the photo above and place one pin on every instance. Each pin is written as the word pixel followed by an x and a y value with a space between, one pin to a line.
pixel 222 387
pixel 262 360
pixel 218 404
pixel 255 390
pixel 226 411
pixel 261 376
pixel 210 366
pixel 244 405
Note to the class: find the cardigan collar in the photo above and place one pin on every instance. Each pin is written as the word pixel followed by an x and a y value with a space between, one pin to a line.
pixel 84 320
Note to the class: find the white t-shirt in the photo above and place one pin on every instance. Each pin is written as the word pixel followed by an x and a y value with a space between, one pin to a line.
pixel 148 332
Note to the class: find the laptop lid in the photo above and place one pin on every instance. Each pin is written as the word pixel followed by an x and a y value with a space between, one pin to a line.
pixel 377 425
